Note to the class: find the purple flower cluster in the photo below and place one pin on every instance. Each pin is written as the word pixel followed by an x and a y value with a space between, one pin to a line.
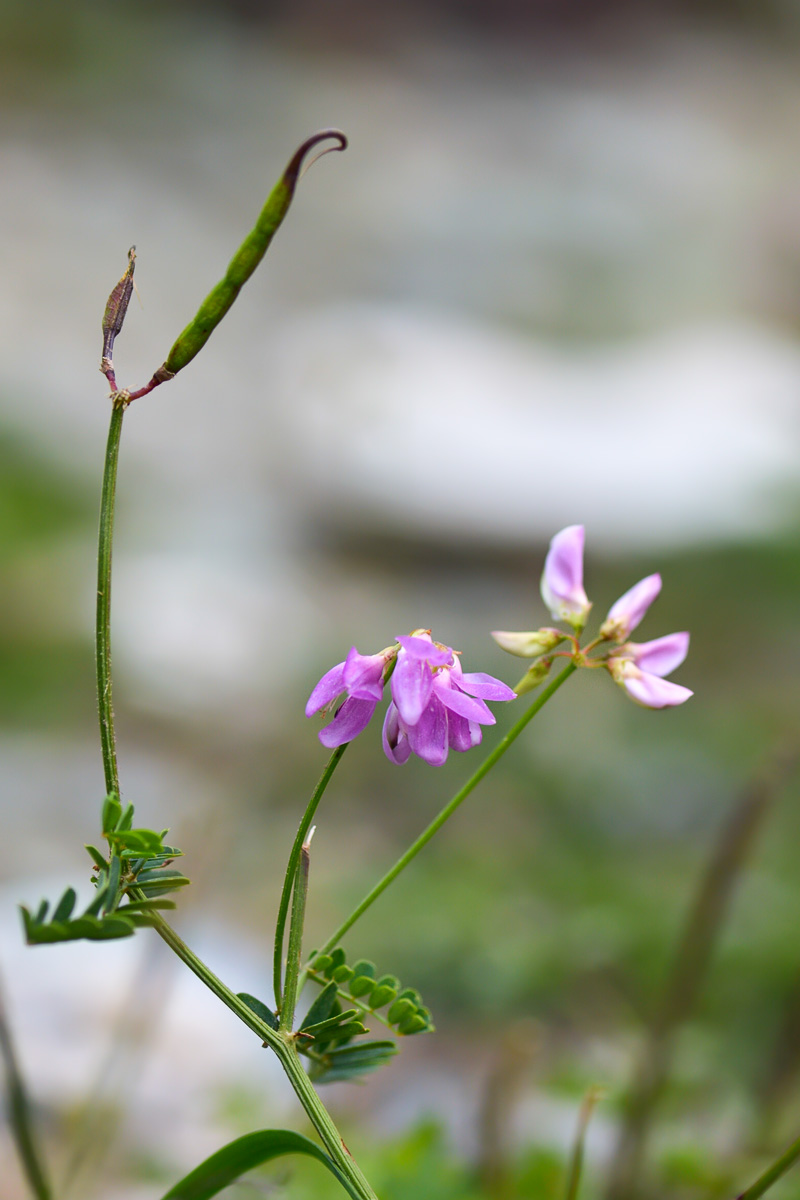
pixel 639 667
pixel 434 708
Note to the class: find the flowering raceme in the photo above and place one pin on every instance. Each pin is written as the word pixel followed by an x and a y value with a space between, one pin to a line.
pixel 435 707
pixel 638 667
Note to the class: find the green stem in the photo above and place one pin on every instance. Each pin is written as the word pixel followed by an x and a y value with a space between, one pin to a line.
pixel 576 1160
pixel 773 1173
pixel 281 1043
pixel 448 810
pixel 295 940
pixel 20 1118
pixel 283 1046
pixel 291 869
pixel 103 625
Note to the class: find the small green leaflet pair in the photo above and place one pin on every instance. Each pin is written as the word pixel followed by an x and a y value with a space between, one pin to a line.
pixel 349 995
pixel 137 871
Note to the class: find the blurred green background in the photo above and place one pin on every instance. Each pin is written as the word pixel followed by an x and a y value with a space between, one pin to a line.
pixel 555 278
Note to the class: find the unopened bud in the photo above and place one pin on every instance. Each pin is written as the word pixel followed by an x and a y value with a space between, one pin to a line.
pixel 529 645
pixel 534 676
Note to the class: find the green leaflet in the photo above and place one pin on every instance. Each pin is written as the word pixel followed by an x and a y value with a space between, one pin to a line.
pixel 243 1154
pixel 334 1056
pixel 138 859
pixel 357 983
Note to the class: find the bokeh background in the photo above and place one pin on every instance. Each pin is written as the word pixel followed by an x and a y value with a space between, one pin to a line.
pixel 555 278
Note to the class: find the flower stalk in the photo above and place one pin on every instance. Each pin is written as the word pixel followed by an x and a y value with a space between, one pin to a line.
pixel 279 1042
pixel 299 894
pixel 291 870
pixel 436 824
pixel 103 615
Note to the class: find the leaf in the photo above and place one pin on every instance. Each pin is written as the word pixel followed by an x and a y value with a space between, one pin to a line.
pixel 262 1011
pixel 158 883
pixel 97 858
pixel 243 1154
pixel 323 1007
pixel 143 905
pixel 63 910
pixel 88 926
pixel 140 840
pixel 112 811
pixel 347 1062
pixel 126 820
pixel 114 870
pixel 361 985
pixel 334 1023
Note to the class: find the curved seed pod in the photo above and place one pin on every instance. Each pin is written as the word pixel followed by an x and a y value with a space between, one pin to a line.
pixel 246 258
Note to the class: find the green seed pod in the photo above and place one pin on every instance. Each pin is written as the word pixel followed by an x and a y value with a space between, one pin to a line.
pixel 246 258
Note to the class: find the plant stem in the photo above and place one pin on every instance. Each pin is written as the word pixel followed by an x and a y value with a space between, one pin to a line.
pixel 448 810
pixel 291 868
pixel 295 940
pixel 283 1046
pixel 103 623
pixel 281 1043
pixel 576 1159
pixel 773 1173
pixel 20 1118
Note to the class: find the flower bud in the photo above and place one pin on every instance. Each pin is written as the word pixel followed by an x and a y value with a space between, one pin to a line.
pixel 534 676
pixel 562 580
pixel 529 645
pixel 627 613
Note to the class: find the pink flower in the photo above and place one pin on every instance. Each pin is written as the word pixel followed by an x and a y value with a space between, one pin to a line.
pixel 361 676
pixel 436 707
pixel 627 613
pixel 640 668
pixel 562 580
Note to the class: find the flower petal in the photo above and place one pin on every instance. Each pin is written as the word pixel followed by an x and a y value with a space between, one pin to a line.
pixel 462 735
pixel 395 742
pixel 329 687
pixel 423 647
pixel 352 719
pixel 466 706
pixel 562 581
pixel 412 686
pixel 428 738
pixel 629 610
pixel 652 691
pixel 485 686
pixel 363 675
pixel 661 656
